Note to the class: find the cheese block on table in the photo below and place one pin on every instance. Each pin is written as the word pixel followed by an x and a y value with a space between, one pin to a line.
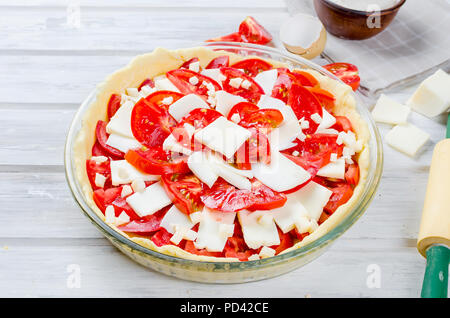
pixel 389 111
pixel 407 139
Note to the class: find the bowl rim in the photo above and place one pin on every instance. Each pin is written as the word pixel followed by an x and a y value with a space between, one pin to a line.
pixel 342 9
pixel 352 216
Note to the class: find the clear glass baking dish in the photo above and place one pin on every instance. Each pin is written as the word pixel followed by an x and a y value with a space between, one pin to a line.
pixel 232 272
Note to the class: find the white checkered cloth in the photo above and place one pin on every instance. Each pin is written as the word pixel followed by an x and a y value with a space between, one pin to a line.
pixel 412 47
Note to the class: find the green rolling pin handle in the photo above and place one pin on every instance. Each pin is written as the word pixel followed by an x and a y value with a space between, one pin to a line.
pixel 435 282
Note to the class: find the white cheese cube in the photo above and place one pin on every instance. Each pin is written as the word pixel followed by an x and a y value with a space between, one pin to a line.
pixel 122 173
pixel 120 123
pixel 175 218
pixel 235 118
pixel 432 97
pixel 257 234
pixel 138 185
pixel 122 143
pixel 389 111
pixel 164 84
pixel 225 101
pixel 267 80
pixel 167 100
pixel 99 159
pixel 132 91
pixel 335 169
pixel 126 191
pixel 213 73
pixel 99 180
pixel 122 219
pixel 201 166
pixel 185 105
pixel 151 200
pixel 326 122
pixel 195 217
pixel 316 118
pixel 193 80
pixel 289 214
pixel 208 235
pixel 236 82
pixel 266 252
pixel 223 136
pixel 314 197
pixel 194 66
pixel 246 84
pixel 281 174
pixel 110 215
pixel 253 257
pixel 407 139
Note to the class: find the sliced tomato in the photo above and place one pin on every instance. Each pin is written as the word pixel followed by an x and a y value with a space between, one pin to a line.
pixel 189 62
pixel 151 122
pixel 236 248
pixel 352 174
pixel 348 73
pixel 184 191
pixel 226 198
pixel 342 192
pixel 342 124
pixel 200 117
pixel 242 109
pixel 325 98
pixel 218 62
pixel 255 149
pixel 252 94
pixel 304 78
pixel 265 198
pixel 157 161
pixel 103 198
pixel 157 98
pixel 146 224
pixel 252 67
pixel 147 82
pixel 254 32
pixel 162 237
pixel 282 85
pixel 103 168
pixel 190 248
pixel 120 205
pixel 266 119
pixel 102 138
pixel 304 104
pixel 286 242
pixel 323 217
pixel 97 150
pixel 180 78
pixel 113 104
pixel 233 37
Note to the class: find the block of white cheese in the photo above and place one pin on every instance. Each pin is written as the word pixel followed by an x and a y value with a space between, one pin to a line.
pixel 281 174
pixel 174 219
pixel 122 143
pixel 267 80
pixel 210 233
pixel 432 97
pixel 314 197
pixel 289 128
pixel 185 105
pixel 258 228
pixel 149 201
pixel 215 74
pixel 202 167
pixel 171 144
pixel 164 84
pixel 223 135
pixel 335 169
pixel 122 173
pixel 289 214
pixel 326 122
pixel 407 139
pixel 389 111
pixel 225 101
pixel 120 123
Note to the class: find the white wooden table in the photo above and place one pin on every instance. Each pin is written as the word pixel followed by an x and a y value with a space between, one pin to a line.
pixel 48 67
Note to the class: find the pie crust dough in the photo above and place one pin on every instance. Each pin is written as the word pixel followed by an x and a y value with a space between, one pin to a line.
pixel 159 62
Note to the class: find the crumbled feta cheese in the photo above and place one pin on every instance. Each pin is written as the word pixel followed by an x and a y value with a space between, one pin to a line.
pixel 126 191
pixel 138 185
pixel 100 180
pixel 122 219
pixel 235 82
pixel 316 118
pixel 266 252
pixel 167 100
pixel 146 90
pixel 110 215
pixel 99 159
pixel 226 230
pixel 193 80
pixel 132 91
pixel 295 153
pixel 253 257
pixel 195 217
pixel 195 66
pixel 246 84
pixel 333 157
pixel 304 124
pixel 236 118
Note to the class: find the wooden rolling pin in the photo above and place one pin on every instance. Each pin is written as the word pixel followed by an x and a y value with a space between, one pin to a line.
pixel 434 235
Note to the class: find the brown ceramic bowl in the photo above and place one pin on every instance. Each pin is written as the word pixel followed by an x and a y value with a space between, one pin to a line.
pixel 353 24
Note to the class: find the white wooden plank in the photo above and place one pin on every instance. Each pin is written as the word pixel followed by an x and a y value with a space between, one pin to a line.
pixel 341 272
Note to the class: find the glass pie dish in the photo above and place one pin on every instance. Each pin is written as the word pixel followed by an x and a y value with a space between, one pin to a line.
pixel 223 271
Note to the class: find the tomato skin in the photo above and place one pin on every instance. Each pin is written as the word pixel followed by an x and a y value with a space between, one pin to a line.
pixel 200 117
pixel 342 124
pixel 157 97
pixel 184 191
pixel 286 242
pixel 253 32
pixel 348 73
pixel 304 104
pixel 233 37
pixel 156 161
pixel 180 78
pixel 146 224
pixel 97 150
pixel 103 168
pixel 103 198
pixel 218 62
pixel 189 62
pixel 113 104
pixel 263 118
pixel 352 174
pixel 304 78
pixel 102 137
pixel 265 198
pixel 162 237
pixel 325 98
pixel 147 81
pixel 226 198
pixel 242 109
pixel 252 94
pixel 236 248
pixel 342 192
pixel 255 149
pixel 253 67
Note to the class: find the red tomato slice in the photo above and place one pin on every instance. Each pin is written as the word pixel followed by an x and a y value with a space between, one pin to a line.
pixel 92 168
pixel 342 192
pixel 253 32
pixel 286 242
pixel 252 94
pixel 200 117
pixel 252 67
pixel 256 148
pixel 190 248
pixel 184 191
pixel 233 37
pixel 97 150
pixel 348 73
pixel 342 124
pixel 352 174
pixel 189 62
pixel 113 104
pixel 265 198
pixel 102 137
pixel 304 78
pixel 220 61
pixel 263 119
pixel 236 248
pixel 151 122
pixel 180 78
pixel 282 86
pixel 242 109
pixel 162 237
pixel 103 198
pixel 325 98
pixel 120 205
pixel 226 198
pixel 304 104
pixel 147 81
pixel 145 225
pixel 157 161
